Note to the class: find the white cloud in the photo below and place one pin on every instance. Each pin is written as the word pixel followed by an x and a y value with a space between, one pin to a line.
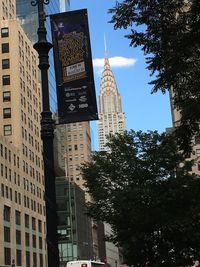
pixel 115 62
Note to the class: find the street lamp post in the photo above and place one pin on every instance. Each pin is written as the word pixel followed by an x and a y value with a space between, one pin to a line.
pixel 47 128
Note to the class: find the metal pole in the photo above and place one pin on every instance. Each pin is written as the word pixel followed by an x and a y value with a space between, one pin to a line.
pixel 47 128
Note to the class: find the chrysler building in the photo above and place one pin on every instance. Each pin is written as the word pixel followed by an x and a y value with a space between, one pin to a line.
pixel 111 117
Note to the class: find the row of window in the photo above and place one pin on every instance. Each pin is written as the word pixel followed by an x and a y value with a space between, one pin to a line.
pixel 32 188
pixel 7 173
pixel 74 137
pixel 28 91
pixel 31 155
pixel 28 169
pixel 8 193
pixel 70 148
pixel 7 217
pixel 74 126
pixel 30 123
pixel 19 238
pixel 34 88
pixel 18 262
pixel 8 10
pixel 28 203
pixel 36 207
pixel 6 154
pixel 27 59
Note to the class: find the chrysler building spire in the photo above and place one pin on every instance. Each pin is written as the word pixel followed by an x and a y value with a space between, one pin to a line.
pixel 105 47
pixel 111 117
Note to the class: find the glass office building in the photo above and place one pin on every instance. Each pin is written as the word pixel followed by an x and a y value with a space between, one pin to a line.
pixel 28 16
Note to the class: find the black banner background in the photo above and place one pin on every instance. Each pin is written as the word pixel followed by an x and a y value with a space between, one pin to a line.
pixel 73 67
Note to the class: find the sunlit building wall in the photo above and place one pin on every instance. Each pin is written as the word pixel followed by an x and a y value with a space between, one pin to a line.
pixel 22 206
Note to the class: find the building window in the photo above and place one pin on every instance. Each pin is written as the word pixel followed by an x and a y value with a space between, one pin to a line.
pixel 7 256
pixel 33 223
pixel 17 217
pixel 6 113
pixel 27 239
pixel 34 241
pixel 7 213
pixel 6 234
pixel 6 79
pixel 26 220
pixel 81 146
pixel 40 226
pixel 40 242
pixel 6 96
pixel 34 259
pixel 5 48
pixel 28 261
pixel 7 130
pixel 19 257
pixel 2 189
pixel 4 32
pixel 18 237
pixel 5 63
pixel 41 260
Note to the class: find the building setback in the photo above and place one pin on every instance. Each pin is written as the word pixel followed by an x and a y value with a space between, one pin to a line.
pixel 111 121
pixel 22 206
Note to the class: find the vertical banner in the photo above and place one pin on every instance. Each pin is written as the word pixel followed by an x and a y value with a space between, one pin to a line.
pixel 73 67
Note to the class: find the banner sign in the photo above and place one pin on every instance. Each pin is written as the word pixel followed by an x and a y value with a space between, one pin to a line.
pixel 73 67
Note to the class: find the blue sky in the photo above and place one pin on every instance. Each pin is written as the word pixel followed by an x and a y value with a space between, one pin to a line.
pixel 144 111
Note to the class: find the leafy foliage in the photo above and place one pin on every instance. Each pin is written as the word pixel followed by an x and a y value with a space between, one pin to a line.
pixel 169 35
pixel 151 203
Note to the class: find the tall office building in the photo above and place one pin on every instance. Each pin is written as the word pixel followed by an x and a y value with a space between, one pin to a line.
pixel 77 145
pixel 111 117
pixel 64 5
pixel 22 206
pixel 111 121
pixel 74 144
pixel 28 17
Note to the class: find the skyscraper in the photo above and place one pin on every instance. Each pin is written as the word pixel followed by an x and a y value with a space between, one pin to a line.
pixel 22 206
pixel 28 17
pixel 111 117
pixel 111 121
pixel 64 5
pixel 73 142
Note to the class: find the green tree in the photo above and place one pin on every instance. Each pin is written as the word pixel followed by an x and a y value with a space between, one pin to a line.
pixel 152 203
pixel 168 32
